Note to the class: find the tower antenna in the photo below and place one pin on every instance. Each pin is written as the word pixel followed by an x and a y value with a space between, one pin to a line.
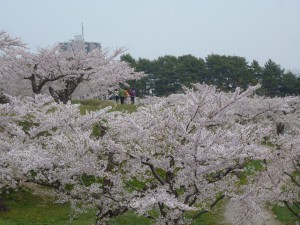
pixel 82 30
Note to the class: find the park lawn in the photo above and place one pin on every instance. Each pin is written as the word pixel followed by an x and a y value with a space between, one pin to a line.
pixel 284 215
pixel 128 108
pixel 32 209
pixel 95 104
pixel 211 218
pixel 29 209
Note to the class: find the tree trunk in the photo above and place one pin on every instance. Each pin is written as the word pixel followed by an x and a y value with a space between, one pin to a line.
pixel 3 206
pixel 65 95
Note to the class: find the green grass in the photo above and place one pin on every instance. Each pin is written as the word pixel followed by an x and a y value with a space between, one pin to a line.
pixel 211 218
pixel 130 218
pixel 250 169
pixel 128 108
pixel 29 209
pixel 284 214
pixel 95 104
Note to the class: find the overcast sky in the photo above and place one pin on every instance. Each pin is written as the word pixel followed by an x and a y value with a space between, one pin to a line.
pixel 254 29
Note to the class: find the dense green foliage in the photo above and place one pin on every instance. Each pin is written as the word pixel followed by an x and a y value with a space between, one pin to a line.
pixel 167 74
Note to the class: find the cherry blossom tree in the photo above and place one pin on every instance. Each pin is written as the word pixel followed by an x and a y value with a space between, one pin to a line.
pixel 278 182
pixel 8 43
pixel 176 154
pixel 193 147
pixel 73 72
pixel 10 49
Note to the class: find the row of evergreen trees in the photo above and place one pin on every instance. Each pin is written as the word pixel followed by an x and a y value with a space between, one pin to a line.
pixel 167 74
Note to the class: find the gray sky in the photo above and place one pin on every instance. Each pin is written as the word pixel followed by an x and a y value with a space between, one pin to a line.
pixel 254 29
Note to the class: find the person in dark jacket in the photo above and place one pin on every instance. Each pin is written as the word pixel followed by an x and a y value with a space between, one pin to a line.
pixel 132 95
pixel 116 95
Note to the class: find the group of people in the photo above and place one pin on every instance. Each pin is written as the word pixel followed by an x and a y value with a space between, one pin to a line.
pixel 124 94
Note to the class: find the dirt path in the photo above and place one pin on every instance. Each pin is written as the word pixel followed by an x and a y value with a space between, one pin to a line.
pixel 230 218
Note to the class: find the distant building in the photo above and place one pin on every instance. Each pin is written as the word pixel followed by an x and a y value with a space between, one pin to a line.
pixel 89 46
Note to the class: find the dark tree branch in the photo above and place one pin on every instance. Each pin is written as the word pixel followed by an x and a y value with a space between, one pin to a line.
pixel 112 213
pixel 219 175
pixel 291 210
pixel 211 207
pixel 161 209
pixel 192 118
pixel 156 175
pixel 292 178
pixel 65 95
pixel 187 198
pixel 142 191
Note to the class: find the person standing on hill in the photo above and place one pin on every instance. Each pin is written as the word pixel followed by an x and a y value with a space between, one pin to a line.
pixel 116 95
pixel 122 95
pixel 132 95
pixel 126 95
